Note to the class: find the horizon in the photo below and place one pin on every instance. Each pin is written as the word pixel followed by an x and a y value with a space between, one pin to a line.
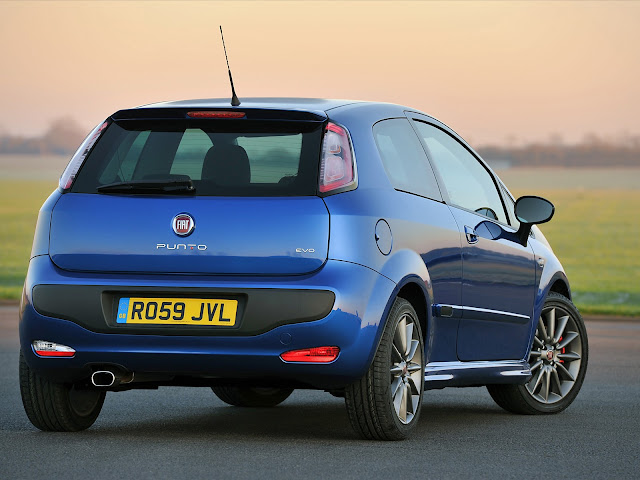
pixel 623 140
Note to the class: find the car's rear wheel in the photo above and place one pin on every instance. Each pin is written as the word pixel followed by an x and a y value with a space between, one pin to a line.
pixel 57 407
pixel 558 360
pixel 241 396
pixel 386 403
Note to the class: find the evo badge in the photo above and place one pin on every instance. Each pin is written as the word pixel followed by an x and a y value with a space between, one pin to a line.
pixel 183 224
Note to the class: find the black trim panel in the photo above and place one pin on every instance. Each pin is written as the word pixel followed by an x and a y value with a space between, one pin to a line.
pixel 94 307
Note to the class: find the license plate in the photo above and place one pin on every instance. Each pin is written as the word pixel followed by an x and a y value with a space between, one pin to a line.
pixel 177 311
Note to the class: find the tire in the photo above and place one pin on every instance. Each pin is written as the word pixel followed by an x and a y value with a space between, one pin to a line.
pixel 57 407
pixel 252 396
pixel 558 360
pixel 385 403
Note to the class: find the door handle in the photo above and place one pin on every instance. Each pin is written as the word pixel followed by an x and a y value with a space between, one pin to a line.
pixel 471 234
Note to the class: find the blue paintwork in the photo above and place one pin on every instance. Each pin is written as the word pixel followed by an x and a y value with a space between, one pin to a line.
pixel 41 237
pixel 499 275
pixel 546 277
pixel 461 374
pixel 111 240
pixel 353 325
pixel 426 245
pixel 125 235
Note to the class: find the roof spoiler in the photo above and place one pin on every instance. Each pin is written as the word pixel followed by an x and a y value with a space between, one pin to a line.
pixel 250 114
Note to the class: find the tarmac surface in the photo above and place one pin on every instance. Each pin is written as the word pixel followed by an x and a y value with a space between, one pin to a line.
pixel 189 433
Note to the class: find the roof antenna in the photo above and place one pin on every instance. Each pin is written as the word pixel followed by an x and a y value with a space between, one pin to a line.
pixel 234 98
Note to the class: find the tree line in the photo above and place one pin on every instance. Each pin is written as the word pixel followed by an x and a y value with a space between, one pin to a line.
pixel 593 151
pixel 62 137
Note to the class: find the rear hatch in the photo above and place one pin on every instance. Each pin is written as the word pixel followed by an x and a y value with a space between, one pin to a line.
pixel 172 191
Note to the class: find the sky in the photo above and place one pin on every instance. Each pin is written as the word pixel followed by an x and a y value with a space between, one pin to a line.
pixel 496 72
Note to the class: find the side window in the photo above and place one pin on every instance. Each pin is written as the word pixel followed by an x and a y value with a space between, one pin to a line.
pixel 468 184
pixel 404 159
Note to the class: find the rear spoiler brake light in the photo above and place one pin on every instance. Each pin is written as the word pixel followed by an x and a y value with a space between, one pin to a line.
pixel 213 114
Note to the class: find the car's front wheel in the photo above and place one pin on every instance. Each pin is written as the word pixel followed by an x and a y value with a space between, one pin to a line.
pixel 57 407
pixel 385 404
pixel 558 360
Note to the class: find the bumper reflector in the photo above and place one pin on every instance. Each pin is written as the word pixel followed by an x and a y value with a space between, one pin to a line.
pixel 311 355
pixel 50 349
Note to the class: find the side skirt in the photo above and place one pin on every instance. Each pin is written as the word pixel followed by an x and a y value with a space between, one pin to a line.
pixel 472 374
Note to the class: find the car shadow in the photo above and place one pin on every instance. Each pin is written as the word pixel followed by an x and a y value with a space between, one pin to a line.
pixel 293 420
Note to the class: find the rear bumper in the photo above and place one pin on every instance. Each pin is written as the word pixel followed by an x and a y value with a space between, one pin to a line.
pixel 94 307
pixel 361 302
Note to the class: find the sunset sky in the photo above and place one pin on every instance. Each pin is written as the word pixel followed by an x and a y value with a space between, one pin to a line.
pixel 491 70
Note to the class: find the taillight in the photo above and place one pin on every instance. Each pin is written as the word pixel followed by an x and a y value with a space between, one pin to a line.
pixel 69 174
pixel 311 355
pixel 337 171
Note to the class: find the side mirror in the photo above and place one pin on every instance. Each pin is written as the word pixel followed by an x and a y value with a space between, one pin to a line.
pixel 531 211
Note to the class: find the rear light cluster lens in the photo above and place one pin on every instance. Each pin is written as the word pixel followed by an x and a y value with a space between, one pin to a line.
pixel 50 349
pixel 69 174
pixel 336 167
pixel 216 114
pixel 312 355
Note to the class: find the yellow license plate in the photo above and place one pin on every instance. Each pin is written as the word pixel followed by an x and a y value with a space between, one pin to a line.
pixel 177 311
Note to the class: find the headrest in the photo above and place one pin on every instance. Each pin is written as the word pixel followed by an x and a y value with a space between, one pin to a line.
pixel 227 165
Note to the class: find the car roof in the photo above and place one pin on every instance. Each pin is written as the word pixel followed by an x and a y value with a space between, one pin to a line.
pixel 315 105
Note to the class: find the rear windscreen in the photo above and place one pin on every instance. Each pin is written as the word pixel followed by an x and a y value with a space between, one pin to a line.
pixel 221 157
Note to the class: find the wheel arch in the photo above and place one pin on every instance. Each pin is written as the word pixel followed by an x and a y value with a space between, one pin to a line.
pixel 408 271
pixel 413 283
pixel 417 297
pixel 560 285
pixel 413 289
pixel 556 282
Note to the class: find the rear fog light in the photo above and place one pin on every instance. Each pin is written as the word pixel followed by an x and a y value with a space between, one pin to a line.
pixel 50 349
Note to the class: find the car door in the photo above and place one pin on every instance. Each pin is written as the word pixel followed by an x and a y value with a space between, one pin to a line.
pixel 498 287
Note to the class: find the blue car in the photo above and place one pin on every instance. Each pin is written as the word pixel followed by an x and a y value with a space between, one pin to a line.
pixel 359 248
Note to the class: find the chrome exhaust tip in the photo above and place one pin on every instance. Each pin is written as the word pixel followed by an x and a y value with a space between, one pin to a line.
pixel 103 378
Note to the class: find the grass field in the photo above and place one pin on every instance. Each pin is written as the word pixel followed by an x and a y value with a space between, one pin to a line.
pixel 20 201
pixel 595 233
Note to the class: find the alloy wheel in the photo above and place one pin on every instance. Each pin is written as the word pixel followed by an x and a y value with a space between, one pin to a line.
pixel 555 357
pixel 406 370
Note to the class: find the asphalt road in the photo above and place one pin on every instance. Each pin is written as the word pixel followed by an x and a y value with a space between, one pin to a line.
pixel 189 433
